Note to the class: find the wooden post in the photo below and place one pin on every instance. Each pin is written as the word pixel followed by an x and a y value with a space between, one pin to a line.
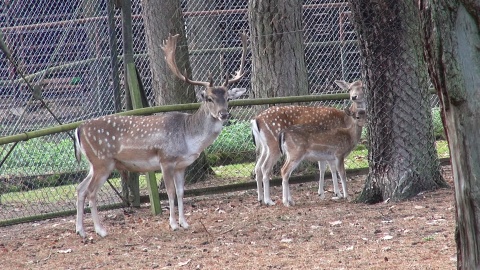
pixel 136 98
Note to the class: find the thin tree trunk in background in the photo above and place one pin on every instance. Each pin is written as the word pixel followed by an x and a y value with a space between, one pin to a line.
pixel 452 50
pixel 402 157
pixel 276 38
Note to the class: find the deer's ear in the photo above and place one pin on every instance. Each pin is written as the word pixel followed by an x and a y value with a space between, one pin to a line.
pixel 343 84
pixel 236 92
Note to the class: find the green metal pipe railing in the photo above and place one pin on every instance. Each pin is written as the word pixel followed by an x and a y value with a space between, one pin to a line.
pixel 168 108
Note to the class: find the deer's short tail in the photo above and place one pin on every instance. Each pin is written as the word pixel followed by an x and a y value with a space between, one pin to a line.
pixel 255 131
pixel 78 151
pixel 281 139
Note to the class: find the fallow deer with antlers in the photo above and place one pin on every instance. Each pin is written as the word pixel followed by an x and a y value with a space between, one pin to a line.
pixel 268 124
pixel 314 143
pixel 169 142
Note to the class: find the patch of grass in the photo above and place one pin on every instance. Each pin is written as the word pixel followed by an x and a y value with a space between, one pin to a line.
pixel 442 149
pixel 55 194
pixel 358 158
pixel 61 193
pixel 428 238
pixel 235 170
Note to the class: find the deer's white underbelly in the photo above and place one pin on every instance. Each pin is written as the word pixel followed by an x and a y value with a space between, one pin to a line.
pixel 149 164
pixel 318 156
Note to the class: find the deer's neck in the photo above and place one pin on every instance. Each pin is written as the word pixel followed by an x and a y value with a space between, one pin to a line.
pixel 202 126
pixel 356 132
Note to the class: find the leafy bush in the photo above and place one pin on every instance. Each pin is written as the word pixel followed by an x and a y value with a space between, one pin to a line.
pixel 233 145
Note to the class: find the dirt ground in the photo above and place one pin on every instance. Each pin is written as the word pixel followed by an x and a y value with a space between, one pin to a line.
pixel 232 231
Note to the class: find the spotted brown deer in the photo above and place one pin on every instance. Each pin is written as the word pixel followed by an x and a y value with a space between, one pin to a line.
pixel 314 143
pixel 169 142
pixel 268 124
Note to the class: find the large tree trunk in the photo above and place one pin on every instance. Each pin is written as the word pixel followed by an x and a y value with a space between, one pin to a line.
pixel 452 42
pixel 162 18
pixel 402 156
pixel 276 38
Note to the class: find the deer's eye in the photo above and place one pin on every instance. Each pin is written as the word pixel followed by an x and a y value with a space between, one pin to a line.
pixel 209 99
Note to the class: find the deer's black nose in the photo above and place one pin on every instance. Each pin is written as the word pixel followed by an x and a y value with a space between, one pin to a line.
pixel 224 115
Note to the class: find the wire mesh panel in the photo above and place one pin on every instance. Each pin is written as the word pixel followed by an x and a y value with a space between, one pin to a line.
pixel 331 49
pixel 70 52
pixel 60 72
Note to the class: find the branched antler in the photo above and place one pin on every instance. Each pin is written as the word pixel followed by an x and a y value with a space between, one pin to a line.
pixel 239 74
pixel 169 48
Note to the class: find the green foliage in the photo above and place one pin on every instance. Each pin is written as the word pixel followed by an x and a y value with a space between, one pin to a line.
pixel 437 124
pixel 235 137
pixel 442 149
pixel 240 171
pixel 39 157
pixel 233 145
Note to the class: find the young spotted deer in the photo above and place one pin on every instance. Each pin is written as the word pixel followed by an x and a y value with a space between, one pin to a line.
pixel 169 142
pixel 314 143
pixel 268 124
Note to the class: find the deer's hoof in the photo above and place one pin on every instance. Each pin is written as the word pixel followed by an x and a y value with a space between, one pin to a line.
pixel 174 226
pixel 289 203
pixel 184 225
pixel 81 232
pixel 101 231
pixel 269 203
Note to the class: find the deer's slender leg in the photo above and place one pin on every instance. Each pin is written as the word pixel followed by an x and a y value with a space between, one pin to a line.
pixel 334 168
pixel 272 154
pixel 258 171
pixel 322 166
pixel 179 187
pixel 97 182
pixel 168 178
pixel 287 170
pixel 82 190
pixel 343 176
pixel 266 173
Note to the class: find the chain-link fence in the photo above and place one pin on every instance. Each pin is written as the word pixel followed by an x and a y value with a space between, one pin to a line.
pixel 71 54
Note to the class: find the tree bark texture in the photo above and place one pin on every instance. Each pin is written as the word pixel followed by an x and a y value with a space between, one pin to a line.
pixel 452 49
pixel 276 38
pixel 162 18
pixel 402 156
